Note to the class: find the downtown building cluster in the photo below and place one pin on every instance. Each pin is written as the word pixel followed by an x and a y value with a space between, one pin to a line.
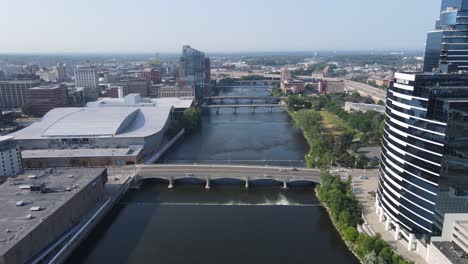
pixel 423 185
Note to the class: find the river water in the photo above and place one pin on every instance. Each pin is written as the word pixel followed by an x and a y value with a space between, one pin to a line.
pixel 228 223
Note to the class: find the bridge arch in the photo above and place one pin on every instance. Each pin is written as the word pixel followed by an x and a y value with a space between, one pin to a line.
pixel 227 181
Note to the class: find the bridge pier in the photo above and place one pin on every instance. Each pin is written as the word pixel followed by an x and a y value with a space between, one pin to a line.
pixel 253 109
pixel 171 183
pixel 271 109
pixel 217 110
pixel 208 183
pixel 285 184
pixel 234 111
pixel 247 182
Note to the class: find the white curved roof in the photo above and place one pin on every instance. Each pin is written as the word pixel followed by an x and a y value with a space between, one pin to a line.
pixel 125 121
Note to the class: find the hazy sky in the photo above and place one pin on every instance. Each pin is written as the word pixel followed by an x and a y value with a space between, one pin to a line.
pixel 214 25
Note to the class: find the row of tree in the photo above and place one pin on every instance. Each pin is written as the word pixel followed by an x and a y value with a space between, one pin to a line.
pixel 345 211
pixel 328 148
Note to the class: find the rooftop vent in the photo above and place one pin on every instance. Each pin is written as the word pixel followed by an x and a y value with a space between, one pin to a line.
pixel 30 216
pixel 35 208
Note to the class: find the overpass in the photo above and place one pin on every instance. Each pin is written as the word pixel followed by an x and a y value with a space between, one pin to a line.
pixel 212 173
pixel 366 90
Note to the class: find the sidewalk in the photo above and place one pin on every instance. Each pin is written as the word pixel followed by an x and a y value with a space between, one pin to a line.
pixel 362 189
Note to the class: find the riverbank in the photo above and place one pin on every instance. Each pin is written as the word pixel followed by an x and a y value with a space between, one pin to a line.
pixel 341 204
pixel 345 212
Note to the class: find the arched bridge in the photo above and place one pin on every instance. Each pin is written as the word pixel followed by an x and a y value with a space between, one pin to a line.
pixel 209 173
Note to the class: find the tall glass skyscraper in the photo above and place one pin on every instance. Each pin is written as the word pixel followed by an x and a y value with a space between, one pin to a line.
pixel 447 45
pixel 424 165
pixel 192 70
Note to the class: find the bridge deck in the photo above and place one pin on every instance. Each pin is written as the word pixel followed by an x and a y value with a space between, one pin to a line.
pixel 243 173
pixel 243 105
pixel 247 97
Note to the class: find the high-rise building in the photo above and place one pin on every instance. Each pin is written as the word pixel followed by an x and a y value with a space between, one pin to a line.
pixel 447 45
pixel 61 71
pixel 44 98
pixel 424 164
pixel 192 70
pixel 13 92
pixel 207 77
pixel 87 77
pixel 10 157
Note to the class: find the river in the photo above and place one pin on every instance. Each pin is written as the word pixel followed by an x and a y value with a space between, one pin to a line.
pixel 227 223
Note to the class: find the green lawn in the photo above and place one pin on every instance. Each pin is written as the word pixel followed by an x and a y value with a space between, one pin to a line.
pixel 334 124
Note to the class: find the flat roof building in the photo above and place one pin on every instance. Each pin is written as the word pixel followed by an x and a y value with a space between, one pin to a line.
pixel 10 157
pixel 44 98
pixel 328 87
pixel 360 107
pixel 135 127
pixel 13 92
pixel 87 77
pixel 37 207
pixel 175 91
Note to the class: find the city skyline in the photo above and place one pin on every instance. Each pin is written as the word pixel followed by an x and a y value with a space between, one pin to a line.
pixel 85 26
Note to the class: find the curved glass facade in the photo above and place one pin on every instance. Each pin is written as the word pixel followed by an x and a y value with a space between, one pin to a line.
pixel 425 143
pixel 447 46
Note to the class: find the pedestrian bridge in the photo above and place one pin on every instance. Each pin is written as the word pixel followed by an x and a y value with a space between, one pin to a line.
pixel 211 173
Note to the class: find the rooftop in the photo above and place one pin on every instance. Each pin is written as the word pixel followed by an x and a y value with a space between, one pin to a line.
pixel 62 185
pixel 451 252
pixel 135 100
pixel 82 152
pixel 47 87
pixel 5 138
pixel 123 121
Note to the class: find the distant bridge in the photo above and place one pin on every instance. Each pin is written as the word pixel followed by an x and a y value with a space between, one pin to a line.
pixel 245 98
pixel 212 173
pixel 234 107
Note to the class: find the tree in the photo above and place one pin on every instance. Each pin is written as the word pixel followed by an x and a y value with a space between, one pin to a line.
pixel 350 234
pixel 27 110
pixel 370 258
pixel 386 254
pixel 191 118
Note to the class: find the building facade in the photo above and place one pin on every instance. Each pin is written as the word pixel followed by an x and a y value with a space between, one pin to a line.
pixel 44 98
pixel 424 164
pixel 134 86
pixel 87 77
pixel 293 86
pixel 285 74
pixel 10 157
pixel 447 45
pixel 175 91
pixel 152 75
pixel 192 70
pixel 331 87
pixel 13 92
